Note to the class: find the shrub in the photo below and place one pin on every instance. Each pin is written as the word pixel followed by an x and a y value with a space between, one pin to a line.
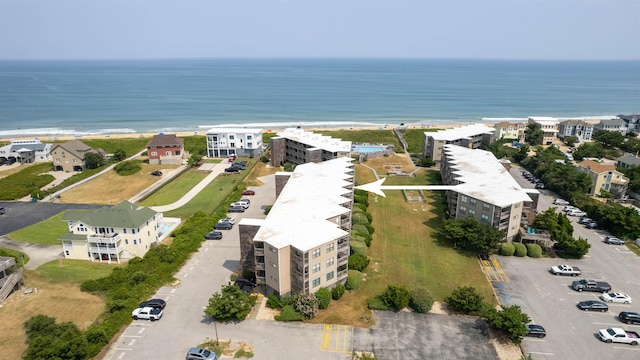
pixel 126 168
pixel 465 299
pixel 507 249
pixel 337 291
pixel 229 304
pixel 396 297
pixel 354 280
pixel 361 199
pixel 520 249
pixel 421 300
pixel 273 302
pixel 358 262
pixel 324 298
pixel 307 305
pixel 289 314
pixel 534 250
pixel 362 207
pixel 358 247
pixel 360 218
pixel 360 228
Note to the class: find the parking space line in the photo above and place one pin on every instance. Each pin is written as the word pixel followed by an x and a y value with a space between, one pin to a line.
pixel 337 343
pixel 626 348
pixel 540 353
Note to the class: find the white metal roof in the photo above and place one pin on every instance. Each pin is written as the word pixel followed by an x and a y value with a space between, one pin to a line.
pixel 312 195
pixel 316 140
pixel 543 118
pixel 233 131
pixel 483 177
pixel 461 132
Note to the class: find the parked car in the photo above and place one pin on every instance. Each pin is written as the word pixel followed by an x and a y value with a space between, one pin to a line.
pixel 2 211
pixel 569 207
pixel 629 317
pixel 576 212
pixel 539 185
pixel 591 225
pixel 593 305
pixel 613 240
pixel 241 204
pixel 248 201
pixel 584 220
pixel 535 330
pixel 157 173
pixel 560 202
pixel 201 354
pixel 223 226
pixel 232 169
pixel 154 303
pixel 147 313
pixel 248 192
pixel 616 297
pixel 235 209
pixel 619 335
pixel 229 220
pixel 566 270
pixel 591 285
pixel 213 235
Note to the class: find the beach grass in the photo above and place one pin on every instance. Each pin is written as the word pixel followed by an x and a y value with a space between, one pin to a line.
pixel 111 145
pixel 45 232
pixel 407 249
pixel 174 190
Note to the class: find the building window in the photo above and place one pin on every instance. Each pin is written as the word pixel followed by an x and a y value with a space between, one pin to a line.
pixel 329 262
pixel 472 201
pixel 315 268
pixel 485 206
pixel 330 247
pixel 484 218
pixel 316 282
pixel 126 241
pixel 124 231
pixel 272 249
pixel 274 265
pixel 231 137
pixel 154 153
pixel 330 276
pixel 316 253
pixel 133 231
pixel 249 137
pixel 472 212
pixel 463 210
pixel 135 242
pixel 463 198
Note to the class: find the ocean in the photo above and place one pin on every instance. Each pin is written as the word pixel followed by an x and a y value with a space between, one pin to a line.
pixel 102 97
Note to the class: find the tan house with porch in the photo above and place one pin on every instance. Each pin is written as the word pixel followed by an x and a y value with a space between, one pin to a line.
pixel 604 177
pixel 70 156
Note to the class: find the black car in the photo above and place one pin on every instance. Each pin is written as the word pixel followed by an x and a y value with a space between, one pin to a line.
pixel 157 173
pixel 593 305
pixel 214 235
pixel 584 220
pixel 232 169
pixel 154 303
pixel 237 209
pixel 535 331
pixel 223 226
pixel 2 210
pixel 629 317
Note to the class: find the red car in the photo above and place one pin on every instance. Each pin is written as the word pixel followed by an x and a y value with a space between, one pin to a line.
pixel 248 192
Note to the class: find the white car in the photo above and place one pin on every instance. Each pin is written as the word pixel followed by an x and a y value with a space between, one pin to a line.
pixel 576 212
pixel 560 202
pixel 229 220
pixel 616 297
pixel 569 208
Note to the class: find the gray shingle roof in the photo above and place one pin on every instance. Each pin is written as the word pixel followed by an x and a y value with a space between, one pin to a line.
pixel 163 140
pixel 630 159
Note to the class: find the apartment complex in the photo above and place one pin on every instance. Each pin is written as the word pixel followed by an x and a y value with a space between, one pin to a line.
pixel 303 243
pixel 485 190
pixel 470 136
pixel 510 130
pixel 549 127
pixel 581 129
pixel 299 147
pixel 113 233
pixel 223 142
pixel 165 149
pixel 25 151
pixel 605 177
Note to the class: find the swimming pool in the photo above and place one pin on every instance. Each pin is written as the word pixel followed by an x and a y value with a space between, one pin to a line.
pixel 368 149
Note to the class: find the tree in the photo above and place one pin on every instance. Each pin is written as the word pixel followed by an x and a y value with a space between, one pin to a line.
pixel 570 140
pixel 93 160
pixel 510 320
pixel 119 155
pixel 395 297
pixel 471 235
pixel 533 134
pixel 230 304
pixel 48 340
pixel 194 160
pixel 358 262
pixel 571 248
pixel 465 299
pixel 324 297
pixel 523 153
pixel 609 138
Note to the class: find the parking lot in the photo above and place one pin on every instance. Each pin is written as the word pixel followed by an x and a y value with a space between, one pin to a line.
pixel 22 214
pixel 550 301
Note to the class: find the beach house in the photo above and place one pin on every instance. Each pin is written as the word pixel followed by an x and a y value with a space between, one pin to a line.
pixel 70 156
pixel 581 129
pixel 165 149
pixel 303 243
pixel 605 177
pixel 113 233
pixel 25 151
pixel 549 127
pixel 510 130
pixel 297 146
pixel 224 142
pixel 616 124
pixel 469 136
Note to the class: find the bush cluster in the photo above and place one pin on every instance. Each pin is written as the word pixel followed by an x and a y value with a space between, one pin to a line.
pixel 354 280
pixel 337 291
pixel 358 262
pixel 534 250
pixel 520 249
pixel 289 314
pixel 421 300
pixel 324 298
pixel 507 249
pixel 127 168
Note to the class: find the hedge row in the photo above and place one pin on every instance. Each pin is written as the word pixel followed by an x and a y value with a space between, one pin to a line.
pixel 520 250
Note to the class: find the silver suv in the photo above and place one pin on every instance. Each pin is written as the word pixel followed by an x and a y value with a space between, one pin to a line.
pixel 201 354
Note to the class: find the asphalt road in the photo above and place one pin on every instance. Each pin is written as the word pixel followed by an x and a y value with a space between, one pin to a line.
pixel 23 214
pixel 550 301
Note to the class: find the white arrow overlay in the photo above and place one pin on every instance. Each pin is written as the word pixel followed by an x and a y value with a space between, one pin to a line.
pixel 376 187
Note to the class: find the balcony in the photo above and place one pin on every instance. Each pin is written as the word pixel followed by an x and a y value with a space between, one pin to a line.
pixel 259 252
pixel 342 245
pixel 105 250
pixel 342 274
pixel 259 266
pixel 104 239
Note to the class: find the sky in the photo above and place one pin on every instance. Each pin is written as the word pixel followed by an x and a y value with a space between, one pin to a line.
pixel 466 29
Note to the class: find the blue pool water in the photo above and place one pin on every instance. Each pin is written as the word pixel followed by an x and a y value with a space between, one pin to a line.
pixel 368 149
pixel 166 228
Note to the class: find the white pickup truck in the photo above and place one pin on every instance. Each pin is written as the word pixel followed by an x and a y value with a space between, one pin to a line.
pixel 147 313
pixel 618 335
pixel 566 270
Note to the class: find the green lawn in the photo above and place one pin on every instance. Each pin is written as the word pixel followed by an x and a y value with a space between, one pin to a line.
pixel 76 271
pixel 45 232
pixel 19 256
pixel 175 189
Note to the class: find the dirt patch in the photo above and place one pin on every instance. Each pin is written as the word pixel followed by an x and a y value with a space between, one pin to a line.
pixel 64 301
pixel 505 348
pixel 384 164
pixel 112 188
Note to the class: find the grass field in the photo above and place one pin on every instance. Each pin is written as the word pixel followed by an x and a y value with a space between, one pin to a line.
pixel 174 190
pixel 53 297
pixel 111 188
pixel 45 232
pixel 74 271
pixel 407 249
